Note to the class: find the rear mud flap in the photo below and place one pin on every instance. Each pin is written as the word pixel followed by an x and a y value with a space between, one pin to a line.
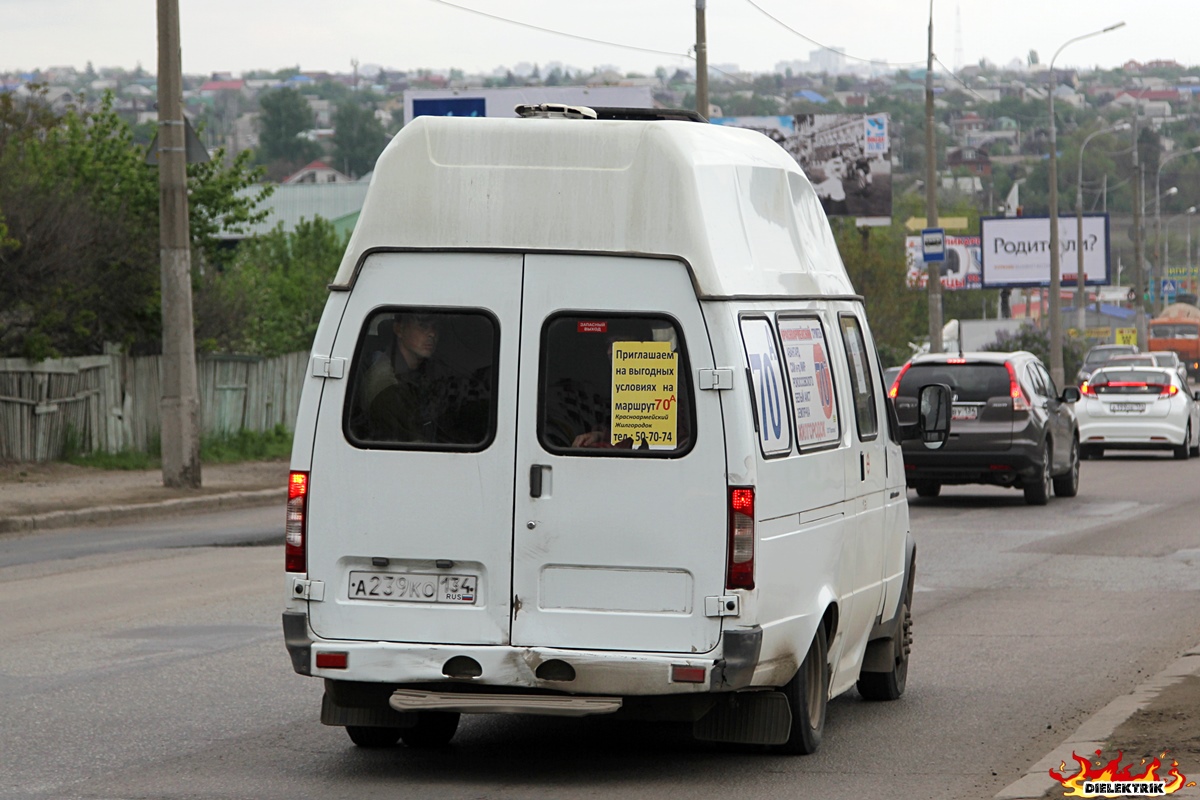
pixel 746 718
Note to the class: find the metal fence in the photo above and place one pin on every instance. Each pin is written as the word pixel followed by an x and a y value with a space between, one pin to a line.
pixel 111 402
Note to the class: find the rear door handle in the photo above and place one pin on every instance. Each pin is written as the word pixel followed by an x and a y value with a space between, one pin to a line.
pixel 535 480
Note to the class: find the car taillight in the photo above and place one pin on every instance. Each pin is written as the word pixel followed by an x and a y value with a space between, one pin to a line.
pixel 1087 389
pixel 740 572
pixel 895 389
pixel 1169 391
pixel 1019 400
pixel 294 545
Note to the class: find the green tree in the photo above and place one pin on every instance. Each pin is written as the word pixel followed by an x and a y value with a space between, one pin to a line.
pixel 285 116
pixel 358 138
pixel 82 206
pixel 270 299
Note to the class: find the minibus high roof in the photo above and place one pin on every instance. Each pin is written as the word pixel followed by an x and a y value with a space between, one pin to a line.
pixel 730 202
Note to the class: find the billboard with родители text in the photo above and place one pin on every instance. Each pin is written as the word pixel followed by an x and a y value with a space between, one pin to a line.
pixel 1016 251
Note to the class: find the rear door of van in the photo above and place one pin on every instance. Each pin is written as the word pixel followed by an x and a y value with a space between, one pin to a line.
pixel 561 485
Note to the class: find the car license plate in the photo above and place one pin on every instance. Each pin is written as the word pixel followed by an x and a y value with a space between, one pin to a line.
pixel 1127 408
pixel 964 412
pixel 411 587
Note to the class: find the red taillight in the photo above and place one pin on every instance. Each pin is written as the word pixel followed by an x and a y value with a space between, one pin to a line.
pixel 1086 388
pixel 892 392
pixel 956 361
pixel 295 559
pixel 685 674
pixel 741 539
pixel 1019 401
pixel 1169 391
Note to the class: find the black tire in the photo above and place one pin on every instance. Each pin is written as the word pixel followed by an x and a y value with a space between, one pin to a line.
pixel 1184 451
pixel 891 685
pixel 1037 488
pixel 1067 484
pixel 927 488
pixel 433 729
pixel 808 695
pixel 373 737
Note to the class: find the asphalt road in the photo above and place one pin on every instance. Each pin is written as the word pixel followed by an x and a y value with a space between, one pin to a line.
pixel 147 661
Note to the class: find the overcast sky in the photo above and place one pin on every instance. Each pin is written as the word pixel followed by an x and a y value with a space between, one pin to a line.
pixel 240 35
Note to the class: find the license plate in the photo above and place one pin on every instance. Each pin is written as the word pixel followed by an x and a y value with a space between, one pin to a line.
pixel 411 587
pixel 964 412
pixel 1127 408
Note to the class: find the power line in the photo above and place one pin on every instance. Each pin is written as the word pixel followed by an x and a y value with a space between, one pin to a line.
pixel 562 33
pixel 811 40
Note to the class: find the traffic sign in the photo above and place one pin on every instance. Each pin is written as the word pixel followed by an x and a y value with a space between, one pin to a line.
pixel 948 223
pixel 1169 287
pixel 933 244
pixel 1125 336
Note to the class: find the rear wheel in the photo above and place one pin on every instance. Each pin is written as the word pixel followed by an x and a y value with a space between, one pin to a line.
pixel 1183 451
pixel 807 695
pixel 927 488
pixel 891 685
pixel 433 729
pixel 1067 484
pixel 373 737
pixel 1037 488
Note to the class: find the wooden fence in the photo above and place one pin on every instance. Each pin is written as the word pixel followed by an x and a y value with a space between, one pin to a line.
pixel 111 402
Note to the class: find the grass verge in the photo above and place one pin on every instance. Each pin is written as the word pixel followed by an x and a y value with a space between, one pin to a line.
pixel 227 448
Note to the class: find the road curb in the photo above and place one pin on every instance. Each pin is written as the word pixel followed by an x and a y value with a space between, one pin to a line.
pixel 1095 731
pixel 135 511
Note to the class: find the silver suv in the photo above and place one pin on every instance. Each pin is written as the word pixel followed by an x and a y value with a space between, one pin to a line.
pixel 1011 426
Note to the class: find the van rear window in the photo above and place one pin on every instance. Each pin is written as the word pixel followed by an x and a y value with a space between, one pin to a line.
pixel 424 378
pixel 614 386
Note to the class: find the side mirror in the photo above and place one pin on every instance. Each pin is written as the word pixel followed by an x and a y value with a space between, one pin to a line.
pixel 1070 395
pixel 1196 395
pixel 933 418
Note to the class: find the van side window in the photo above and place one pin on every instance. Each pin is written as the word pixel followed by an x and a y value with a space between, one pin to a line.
pixel 614 385
pixel 814 401
pixel 423 378
pixel 766 380
pixel 861 383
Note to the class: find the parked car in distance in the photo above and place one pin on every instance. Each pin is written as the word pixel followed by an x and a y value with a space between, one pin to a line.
pixel 1098 355
pixel 1138 408
pixel 1169 358
pixel 1011 426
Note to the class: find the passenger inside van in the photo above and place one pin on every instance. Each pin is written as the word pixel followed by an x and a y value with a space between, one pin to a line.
pixel 406 391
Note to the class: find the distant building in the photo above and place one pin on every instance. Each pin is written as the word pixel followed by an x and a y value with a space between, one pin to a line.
pixel 317 172
pixel 973 159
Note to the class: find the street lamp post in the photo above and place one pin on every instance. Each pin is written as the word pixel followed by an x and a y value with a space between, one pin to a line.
pixel 1156 281
pixel 1167 244
pixel 1056 349
pixel 1080 282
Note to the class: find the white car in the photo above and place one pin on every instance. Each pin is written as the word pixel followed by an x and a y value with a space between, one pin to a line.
pixel 1138 408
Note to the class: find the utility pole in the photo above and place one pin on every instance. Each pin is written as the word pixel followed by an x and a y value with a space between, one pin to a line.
pixel 180 405
pixel 702 61
pixel 933 269
pixel 1139 256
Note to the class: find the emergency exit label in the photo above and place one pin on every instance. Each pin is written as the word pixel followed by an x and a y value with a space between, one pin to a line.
pixel 645 405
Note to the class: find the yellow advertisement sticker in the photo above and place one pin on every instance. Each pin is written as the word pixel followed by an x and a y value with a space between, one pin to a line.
pixel 644 405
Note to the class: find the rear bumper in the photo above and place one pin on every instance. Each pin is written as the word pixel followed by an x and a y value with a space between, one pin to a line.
pixel 592 672
pixel 1150 433
pixel 974 467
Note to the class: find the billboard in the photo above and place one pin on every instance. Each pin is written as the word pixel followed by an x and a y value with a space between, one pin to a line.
pixel 1016 251
pixel 847 157
pixel 450 107
pixel 960 269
